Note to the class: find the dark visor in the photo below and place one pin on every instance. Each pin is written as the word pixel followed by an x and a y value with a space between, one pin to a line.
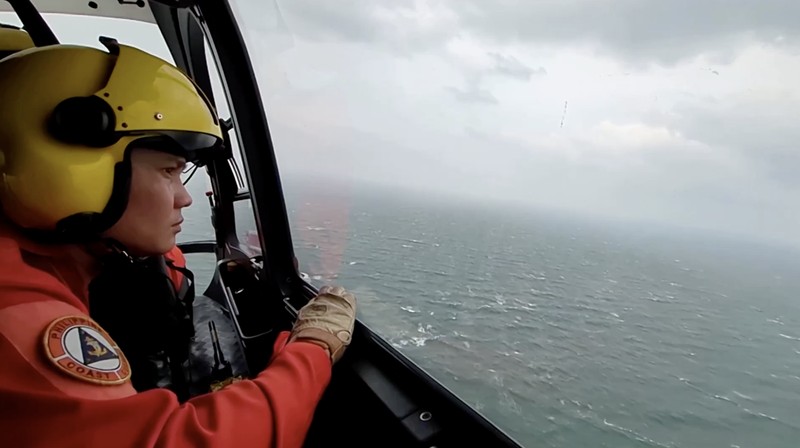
pixel 195 147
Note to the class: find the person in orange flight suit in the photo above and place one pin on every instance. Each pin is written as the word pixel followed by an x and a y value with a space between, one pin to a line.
pixel 91 148
pixel 113 304
pixel 132 286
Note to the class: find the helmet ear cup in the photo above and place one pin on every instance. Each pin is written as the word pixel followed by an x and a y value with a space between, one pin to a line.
pixel 86 120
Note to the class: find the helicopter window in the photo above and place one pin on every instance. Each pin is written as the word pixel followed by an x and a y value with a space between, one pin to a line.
pixel 579 216
pixel 339 116
pixel 243 208
pixel 10 19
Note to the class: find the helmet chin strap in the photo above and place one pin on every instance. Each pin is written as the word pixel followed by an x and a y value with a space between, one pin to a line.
pixel 113 246
pixel 105 247
pixel 108 249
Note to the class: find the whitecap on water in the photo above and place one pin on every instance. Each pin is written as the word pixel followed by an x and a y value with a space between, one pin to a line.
pixel 635 435
pixel 761 414
pixel 420 341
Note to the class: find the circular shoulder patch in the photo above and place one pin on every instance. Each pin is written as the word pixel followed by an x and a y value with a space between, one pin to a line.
pixel 78 346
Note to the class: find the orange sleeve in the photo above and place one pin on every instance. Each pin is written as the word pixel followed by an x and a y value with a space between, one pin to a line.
pixel 44 407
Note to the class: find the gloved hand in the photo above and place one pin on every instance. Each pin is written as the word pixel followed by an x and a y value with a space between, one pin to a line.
pixel 327 320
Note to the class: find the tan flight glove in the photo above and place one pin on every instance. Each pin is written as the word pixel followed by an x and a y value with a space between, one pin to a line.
pixel 327 320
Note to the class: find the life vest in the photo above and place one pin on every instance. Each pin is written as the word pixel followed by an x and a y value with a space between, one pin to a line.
pixel 146 307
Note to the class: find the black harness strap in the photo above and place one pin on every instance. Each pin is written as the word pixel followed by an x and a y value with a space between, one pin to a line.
pixel 136 301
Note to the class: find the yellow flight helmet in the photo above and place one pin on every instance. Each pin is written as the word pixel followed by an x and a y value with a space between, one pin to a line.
pixel 70 115
pixel 12 40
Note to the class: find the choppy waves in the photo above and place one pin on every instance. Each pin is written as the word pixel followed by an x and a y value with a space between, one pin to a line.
pixel 568 338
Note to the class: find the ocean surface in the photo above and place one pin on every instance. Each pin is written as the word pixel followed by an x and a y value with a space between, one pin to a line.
pixel 565 331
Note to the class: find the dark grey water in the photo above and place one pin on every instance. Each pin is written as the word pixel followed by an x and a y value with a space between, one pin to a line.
pixel 567 332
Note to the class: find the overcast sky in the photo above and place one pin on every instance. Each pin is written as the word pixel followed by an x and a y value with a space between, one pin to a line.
pixel 681 111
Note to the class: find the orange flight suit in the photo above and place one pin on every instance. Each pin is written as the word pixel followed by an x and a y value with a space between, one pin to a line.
pixel 64 383
pixel 178 259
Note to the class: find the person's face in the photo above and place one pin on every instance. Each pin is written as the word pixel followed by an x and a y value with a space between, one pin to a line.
pixel 152 219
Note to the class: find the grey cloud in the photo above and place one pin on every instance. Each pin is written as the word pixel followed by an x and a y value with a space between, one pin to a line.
pixel 660 31
pixel 763 132
pixel 473 94
pixel 513 67
pixel 504 65
pixel 730 184
pixel 750 150
pixel 638 31
pixel 344 19
pixel 676 181
pixel 358 21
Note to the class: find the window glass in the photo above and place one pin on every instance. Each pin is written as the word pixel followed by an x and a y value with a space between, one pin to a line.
pixel 243 209
pixel 582 217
